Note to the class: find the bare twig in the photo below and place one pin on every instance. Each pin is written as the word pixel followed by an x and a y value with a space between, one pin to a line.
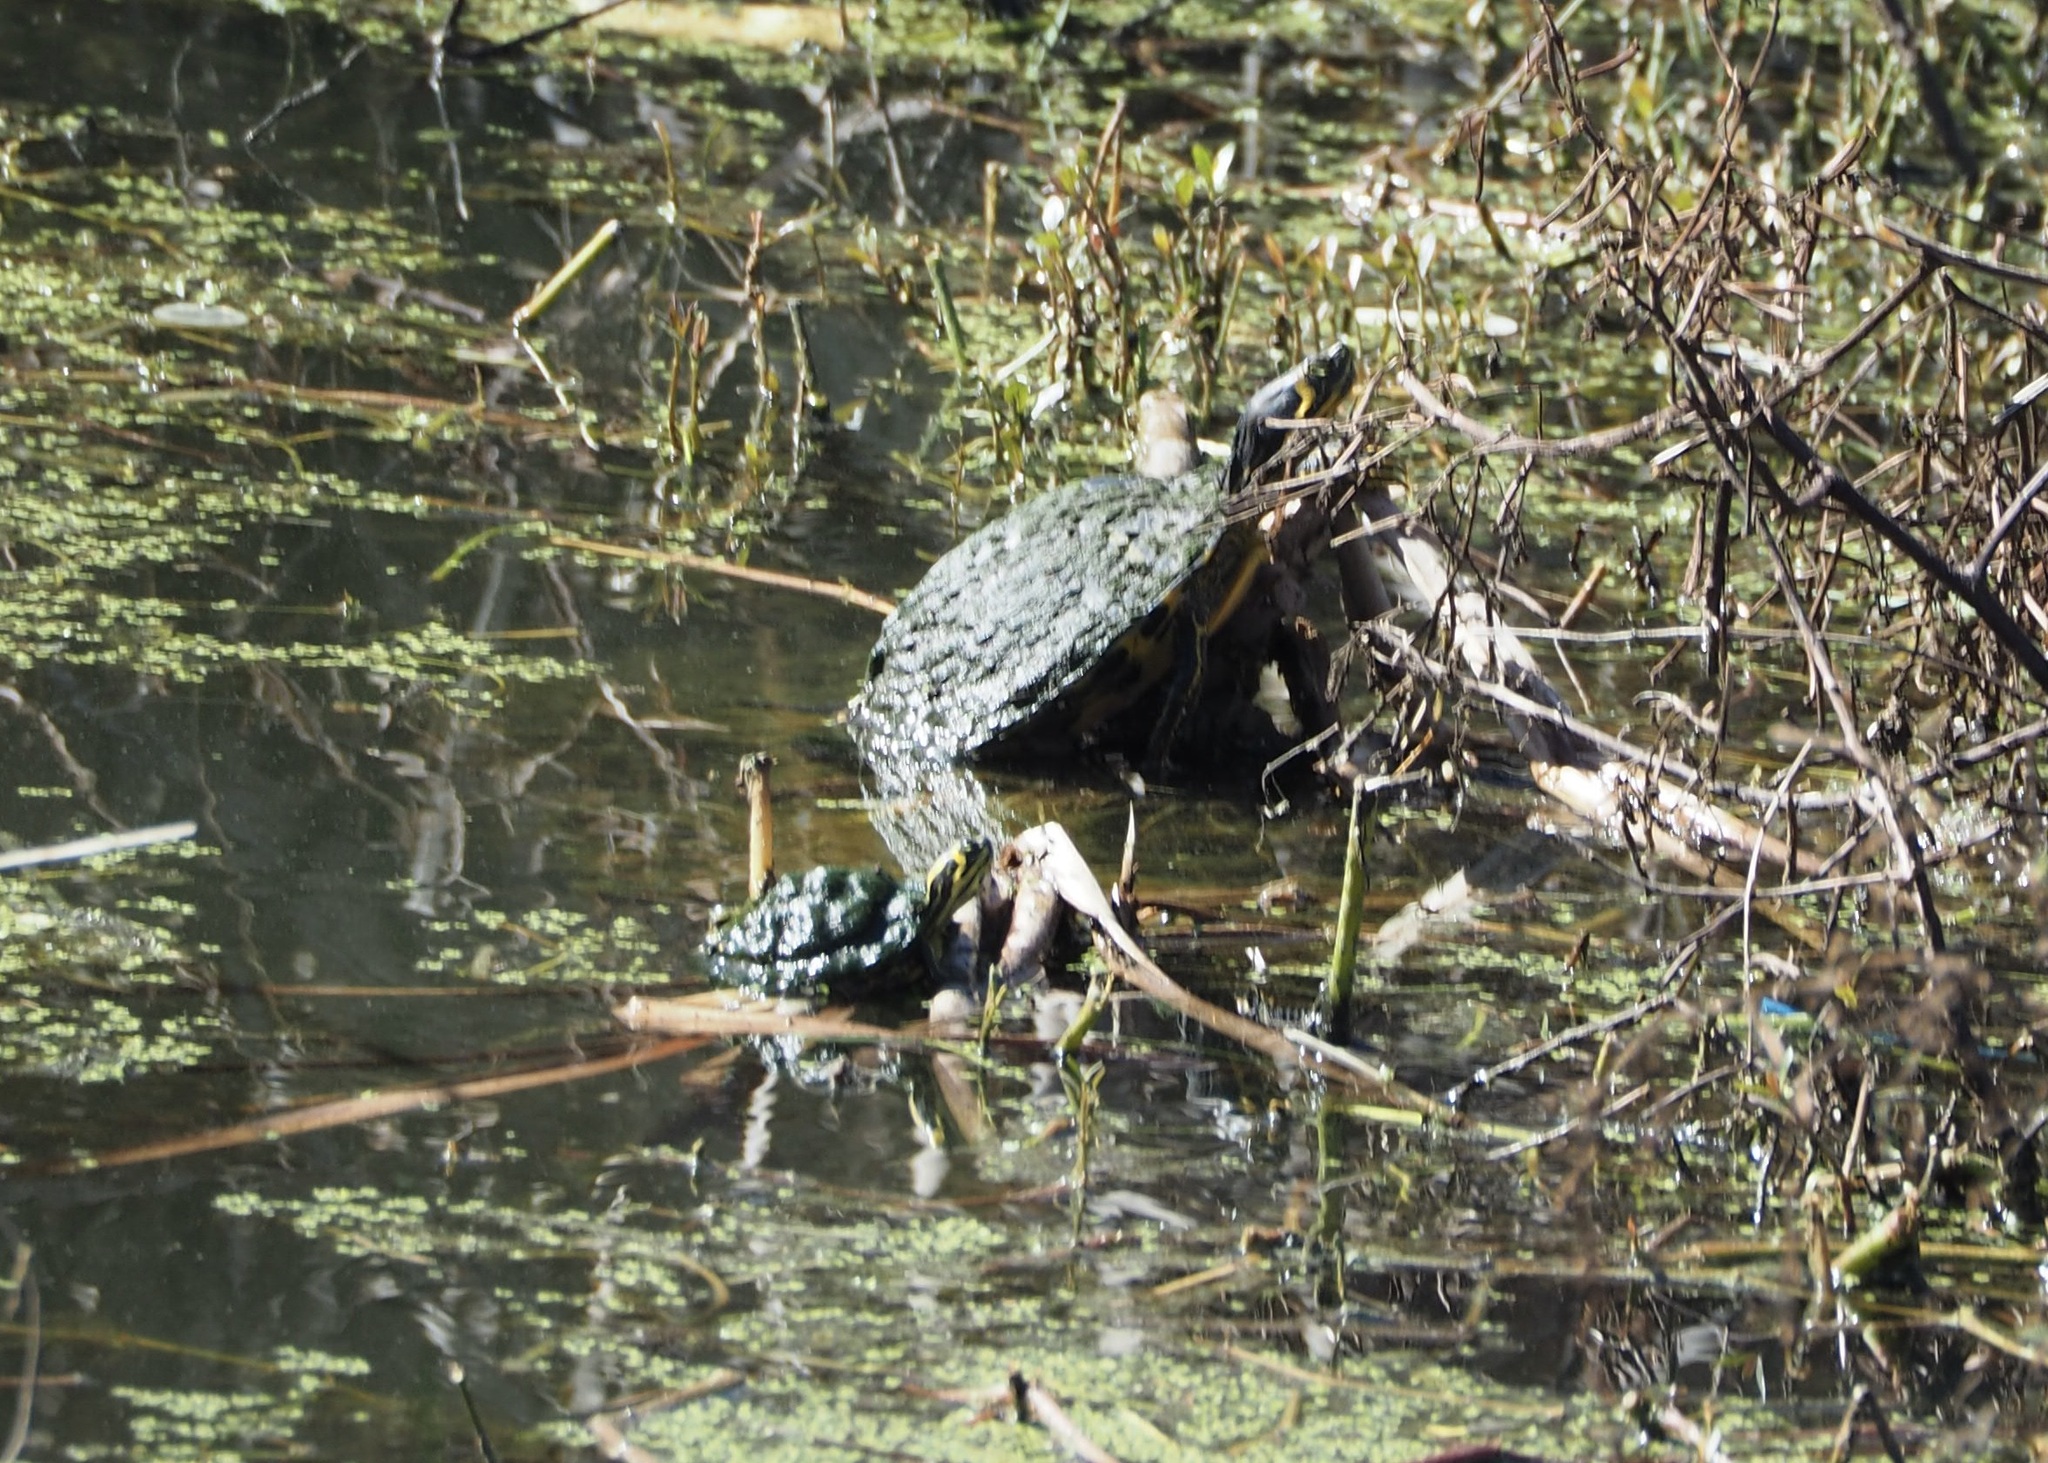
pixel 680 559
pixel 1035 1404
pixel 341 1112
pixel 105 843
pixel 1831 484
pixel 24 1283
pixel 1486 1076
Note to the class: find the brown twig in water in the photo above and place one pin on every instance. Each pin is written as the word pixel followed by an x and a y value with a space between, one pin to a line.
pixel 1062 863
pixel 24 1285
pixel 1614 1022
pixel 341 1112
pixel 720 1017
pixel 82 777
pixel 1895 235
pixel 1863 1403
pixel 1035 1404
pixel 1493 441
pixel 605 1424
pixel 448 40
pixel 681 559
pixel 305 94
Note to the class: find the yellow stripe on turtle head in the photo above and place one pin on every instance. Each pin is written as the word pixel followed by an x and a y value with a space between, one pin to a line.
pixel 1311 389
pixel 956 878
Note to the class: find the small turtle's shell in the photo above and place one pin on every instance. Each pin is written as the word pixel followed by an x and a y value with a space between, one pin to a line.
pixel 826 927
pixel 1013 630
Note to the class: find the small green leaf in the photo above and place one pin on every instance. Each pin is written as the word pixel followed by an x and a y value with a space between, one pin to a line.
pixel 1219 171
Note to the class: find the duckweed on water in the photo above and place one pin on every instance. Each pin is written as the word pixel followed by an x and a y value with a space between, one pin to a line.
pixel 824 1340
pixel 551 947
pixel 89 996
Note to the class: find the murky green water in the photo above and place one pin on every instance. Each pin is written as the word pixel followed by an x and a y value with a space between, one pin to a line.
pixel 283 506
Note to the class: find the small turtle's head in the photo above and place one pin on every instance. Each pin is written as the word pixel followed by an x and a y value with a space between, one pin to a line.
pixel 1311 389
pixel 956 878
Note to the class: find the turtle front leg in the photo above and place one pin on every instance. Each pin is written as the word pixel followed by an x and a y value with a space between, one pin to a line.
pixel 1190 656
pixel 1304 663
pixel 952 951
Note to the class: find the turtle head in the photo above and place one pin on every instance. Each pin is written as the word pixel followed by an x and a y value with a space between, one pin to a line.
pixel 956 878
pixel 1166 439
pixel 1311 389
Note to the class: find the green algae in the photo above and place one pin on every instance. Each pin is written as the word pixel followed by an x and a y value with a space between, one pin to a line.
pixel 542 948
pixel 95 996
pixel 252 1422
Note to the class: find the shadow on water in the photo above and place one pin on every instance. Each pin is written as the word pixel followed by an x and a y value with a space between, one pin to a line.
pixel 299 546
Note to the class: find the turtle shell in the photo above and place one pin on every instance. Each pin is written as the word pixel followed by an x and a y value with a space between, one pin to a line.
pixel 1046 623
pixel 824 927
pixel 1052 627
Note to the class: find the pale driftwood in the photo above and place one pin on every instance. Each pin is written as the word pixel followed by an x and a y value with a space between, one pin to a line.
pixel 721 1013
pixel 1614 788
pixel 104 843
pixel 1051 854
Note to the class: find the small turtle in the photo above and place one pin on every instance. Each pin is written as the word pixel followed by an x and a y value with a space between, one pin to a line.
pixel 1084 617
pixel 843 930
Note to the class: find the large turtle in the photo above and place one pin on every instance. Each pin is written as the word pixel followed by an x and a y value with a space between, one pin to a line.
pixel 1085 617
